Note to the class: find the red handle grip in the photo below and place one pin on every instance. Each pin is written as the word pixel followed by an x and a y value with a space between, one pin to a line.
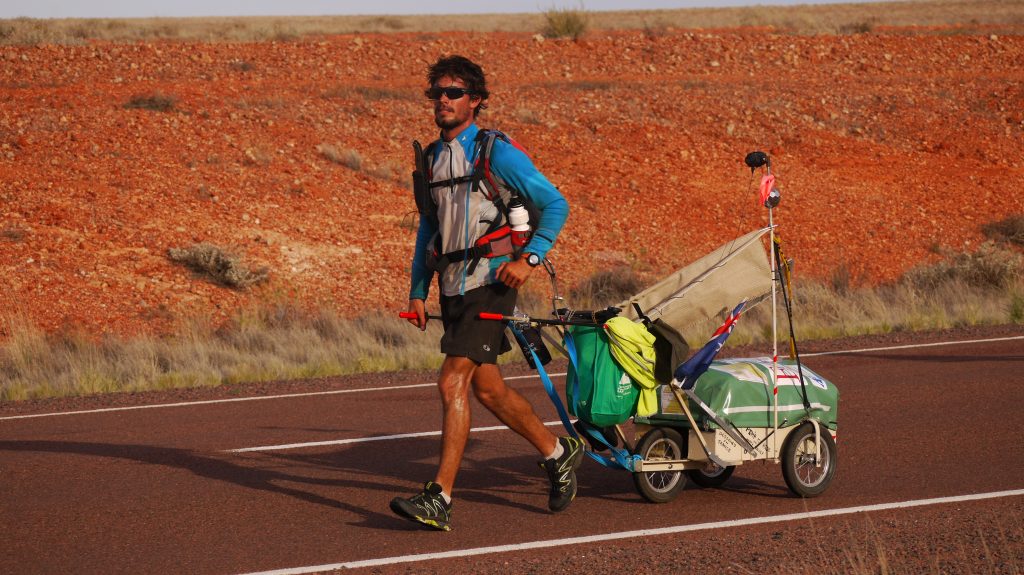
pixel 495 316
pixel 407 315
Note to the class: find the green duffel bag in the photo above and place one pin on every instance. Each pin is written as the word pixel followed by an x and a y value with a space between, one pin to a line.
pixel 606 395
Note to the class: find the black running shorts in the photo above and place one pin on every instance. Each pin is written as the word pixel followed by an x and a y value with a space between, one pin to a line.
pixel 465 334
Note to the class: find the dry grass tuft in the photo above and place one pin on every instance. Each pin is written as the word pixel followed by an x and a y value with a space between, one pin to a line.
pixel 989 267
pixel 1010 229
pixel 157 101
pixel 12 234
pixel 565 23
pixel 225 268
pixel 606 287
pixel 347 157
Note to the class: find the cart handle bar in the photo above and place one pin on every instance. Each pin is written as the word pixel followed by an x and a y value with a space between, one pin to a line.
pixel 411 315
pixel 520 319
pixel 500 317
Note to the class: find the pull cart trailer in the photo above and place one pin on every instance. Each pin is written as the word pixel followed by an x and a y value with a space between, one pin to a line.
pixel 708 416
pixel 713 415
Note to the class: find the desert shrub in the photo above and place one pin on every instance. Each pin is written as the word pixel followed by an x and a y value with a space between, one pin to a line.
pixel 13 234
pixel 28 32
pixel 1016 308
pixel 607 287
pixel 368 93
pixel 527 116
pixel 386 23
pixel 156 101
pixel 565 23
pixel 590 85
pixel 861 27
pixel 374 93
pixel 223 267
pixel 257 156
pixel 241 65
pixel 841 279
pixel 282 32
pixel 7 31
pixel 990 266
pixel 390 170
pixel 1010 230
pixel 348 157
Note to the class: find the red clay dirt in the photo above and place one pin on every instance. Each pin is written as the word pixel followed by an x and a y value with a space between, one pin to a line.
pixel 889 147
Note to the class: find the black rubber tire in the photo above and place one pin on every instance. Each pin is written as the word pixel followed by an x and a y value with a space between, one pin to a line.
pixel 660 486
pixel 711 476
pixel 802 476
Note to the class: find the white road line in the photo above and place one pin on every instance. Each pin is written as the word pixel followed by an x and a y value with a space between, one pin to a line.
pixel 364 439
pixel 291 395
pixel 237 399
pixel 641 533
pixel 913 345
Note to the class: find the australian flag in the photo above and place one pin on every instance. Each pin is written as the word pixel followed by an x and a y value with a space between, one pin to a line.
pixel 688 371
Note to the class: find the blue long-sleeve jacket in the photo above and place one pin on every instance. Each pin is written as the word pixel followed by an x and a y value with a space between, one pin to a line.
pixel 465 214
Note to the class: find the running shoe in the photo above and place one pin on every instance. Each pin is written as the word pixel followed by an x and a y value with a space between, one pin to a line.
pixel 562 473
pixel 427 507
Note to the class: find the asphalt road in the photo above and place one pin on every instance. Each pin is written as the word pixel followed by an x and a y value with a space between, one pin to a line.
pixel 158 490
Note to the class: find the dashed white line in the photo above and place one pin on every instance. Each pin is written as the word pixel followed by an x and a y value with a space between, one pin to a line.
pixel 640 533
pixel 365 439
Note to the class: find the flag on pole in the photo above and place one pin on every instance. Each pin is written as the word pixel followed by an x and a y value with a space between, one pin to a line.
pixel 767 183
pixel 688 372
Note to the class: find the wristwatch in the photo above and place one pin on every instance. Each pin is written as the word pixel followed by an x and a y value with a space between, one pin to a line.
pixel 533 260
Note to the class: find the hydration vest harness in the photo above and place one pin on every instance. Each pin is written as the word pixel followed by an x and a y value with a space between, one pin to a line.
pixel 497 240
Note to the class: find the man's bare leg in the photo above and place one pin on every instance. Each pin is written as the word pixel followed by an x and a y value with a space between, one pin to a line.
pixel 511 408
pixel 453 384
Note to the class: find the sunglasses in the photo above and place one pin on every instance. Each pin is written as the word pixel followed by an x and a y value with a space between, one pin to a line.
pixel 451 92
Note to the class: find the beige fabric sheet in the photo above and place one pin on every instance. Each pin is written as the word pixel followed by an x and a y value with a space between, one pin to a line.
pixel 711 286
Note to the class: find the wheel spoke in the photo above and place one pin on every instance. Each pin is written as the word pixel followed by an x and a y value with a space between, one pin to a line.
pixel 809 473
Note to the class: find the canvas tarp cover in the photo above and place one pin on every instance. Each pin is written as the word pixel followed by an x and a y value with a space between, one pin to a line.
pixel 739 390
pixel 706 288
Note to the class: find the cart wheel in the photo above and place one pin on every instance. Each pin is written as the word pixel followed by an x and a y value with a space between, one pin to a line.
pixel 803 477
pixel 711 475
pixel 659 444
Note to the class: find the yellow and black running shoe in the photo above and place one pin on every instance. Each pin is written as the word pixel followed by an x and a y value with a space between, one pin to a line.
pixel 562 473
pixel 427 507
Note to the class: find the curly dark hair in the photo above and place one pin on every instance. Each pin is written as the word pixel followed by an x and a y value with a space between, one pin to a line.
pixel 464 69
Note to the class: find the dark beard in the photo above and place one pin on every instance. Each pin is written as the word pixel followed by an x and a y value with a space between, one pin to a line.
pixel 446 124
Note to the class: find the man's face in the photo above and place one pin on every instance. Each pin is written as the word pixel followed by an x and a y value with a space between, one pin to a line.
pixel 451 113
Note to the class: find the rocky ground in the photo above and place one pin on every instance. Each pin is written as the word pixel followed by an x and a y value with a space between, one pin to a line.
pixel 890 147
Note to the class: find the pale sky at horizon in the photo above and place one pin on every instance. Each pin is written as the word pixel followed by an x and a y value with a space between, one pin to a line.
pixel 186 8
